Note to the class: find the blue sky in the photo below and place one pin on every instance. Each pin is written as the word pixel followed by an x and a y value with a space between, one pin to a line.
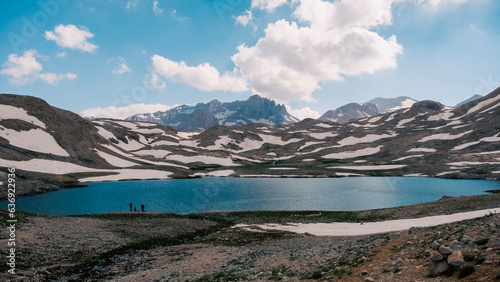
pixel 116 58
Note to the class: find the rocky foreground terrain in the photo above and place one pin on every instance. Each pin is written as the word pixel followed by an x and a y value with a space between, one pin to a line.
pixel 207 247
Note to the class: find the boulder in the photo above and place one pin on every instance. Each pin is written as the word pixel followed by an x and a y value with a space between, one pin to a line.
pixel 456 258
pixel 436 256
pixel 435 245
pixel 445 251
pixel 438 268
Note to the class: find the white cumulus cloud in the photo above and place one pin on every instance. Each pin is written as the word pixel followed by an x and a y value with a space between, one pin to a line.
pixel 268 5
pixel 204 76
pixel 121 66
pixel 302 113
pixel 55 78
pixel 156 9
pixel 123 112
pixel 244 19
pixel 290 61
pixel 24 69
pixel 437 3
pixel 72 37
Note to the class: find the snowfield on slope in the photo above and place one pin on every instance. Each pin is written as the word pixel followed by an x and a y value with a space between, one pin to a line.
pixel 36 140
pixel 10 112
pixel 356 229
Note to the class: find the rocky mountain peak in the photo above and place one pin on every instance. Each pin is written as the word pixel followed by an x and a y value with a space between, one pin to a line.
pixel 204 116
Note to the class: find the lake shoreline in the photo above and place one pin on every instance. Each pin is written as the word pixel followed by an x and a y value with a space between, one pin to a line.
pixel 204 247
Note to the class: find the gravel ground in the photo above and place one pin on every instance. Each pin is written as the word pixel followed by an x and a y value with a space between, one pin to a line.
pixel 204 247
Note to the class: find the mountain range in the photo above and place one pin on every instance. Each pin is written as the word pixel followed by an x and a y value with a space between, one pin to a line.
pixel 256 109
pixel 50 146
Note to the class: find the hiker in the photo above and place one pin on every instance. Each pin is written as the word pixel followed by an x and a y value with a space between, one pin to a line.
pixel 135 209
pixel 131 206
pixel 142 207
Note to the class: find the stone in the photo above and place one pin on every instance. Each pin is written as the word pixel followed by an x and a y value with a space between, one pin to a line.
pixel 435 245
pixel 364 272
pixel 454 245
pixel 497 243
pixel 445 250
pixel 397 262
pixel 456 258
pixel 436 256
pixel 438 268
pixel 369 279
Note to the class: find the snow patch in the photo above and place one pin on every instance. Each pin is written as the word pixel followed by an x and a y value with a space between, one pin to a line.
pixel 356 229
pixel 353 154
pixel 36 140
pixel 46 166
pixel 444 136
pixel 425 150
pixel 114 161
pixel 10 112
pixel 369 167
pixel 129 174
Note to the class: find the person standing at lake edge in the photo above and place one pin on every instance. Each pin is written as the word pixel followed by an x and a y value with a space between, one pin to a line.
pixel 131 205
pixel 142 207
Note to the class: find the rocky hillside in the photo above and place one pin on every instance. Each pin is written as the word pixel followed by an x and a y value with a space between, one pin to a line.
pixel 428 139
pixel 387 105
pixel 371 108
pixel 475 97
pixel 203 116
pixel 350 111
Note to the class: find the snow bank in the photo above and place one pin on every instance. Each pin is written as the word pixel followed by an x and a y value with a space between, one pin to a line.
pixel 202 159
pixel 128 174
pixel 115 161
pixel 47 166
pixel 356 229
pixel 368 167
pixel 407 157
pixel 36 140
pixel 10 112
pixel 353 154
pixel 365 139
pixel 218 173
pixel 322 135
pixel 424 150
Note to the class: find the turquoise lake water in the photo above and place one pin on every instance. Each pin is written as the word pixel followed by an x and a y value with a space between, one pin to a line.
pixel 244 194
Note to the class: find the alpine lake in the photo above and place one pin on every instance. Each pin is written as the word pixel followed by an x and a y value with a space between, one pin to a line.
pixel 184 196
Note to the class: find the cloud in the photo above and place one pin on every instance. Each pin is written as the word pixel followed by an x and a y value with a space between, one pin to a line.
pixel 71 36
pixel 121 66
pixel 156 83
pixel 244 19
pixel 54 78
pixel 303 113
pixel 177 18
pixel 61 55
pixel 123 112
pixel 290 61
pixel 156 9
pixel 437 3
pixel 131 4
pixel 204 76
pixel 268 5
pixel 26 68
